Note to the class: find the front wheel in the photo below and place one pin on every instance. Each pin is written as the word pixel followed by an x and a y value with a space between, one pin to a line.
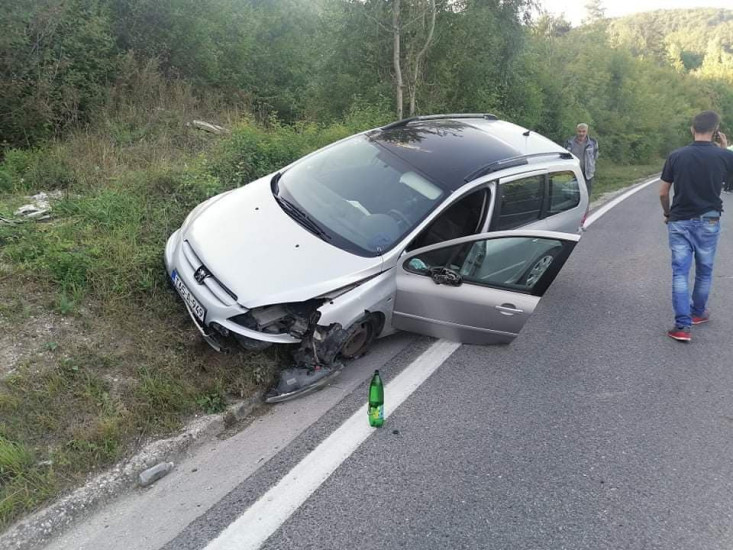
pixel 359 339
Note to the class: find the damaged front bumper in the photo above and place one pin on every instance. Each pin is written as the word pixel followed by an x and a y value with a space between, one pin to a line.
pixel 224 323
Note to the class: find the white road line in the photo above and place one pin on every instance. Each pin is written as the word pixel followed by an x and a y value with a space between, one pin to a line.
pixel 266 515
pixel 606 207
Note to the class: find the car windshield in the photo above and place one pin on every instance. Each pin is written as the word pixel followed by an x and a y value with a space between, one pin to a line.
pixel 360 196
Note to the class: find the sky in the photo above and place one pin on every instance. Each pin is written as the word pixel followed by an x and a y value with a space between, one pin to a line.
pixel 574 12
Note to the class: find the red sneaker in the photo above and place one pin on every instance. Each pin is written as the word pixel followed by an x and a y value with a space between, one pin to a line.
pixel 681 334
pixel 704 318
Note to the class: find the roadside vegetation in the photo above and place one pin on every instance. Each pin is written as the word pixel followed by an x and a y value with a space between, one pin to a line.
pixel 106 357
pixel 97 354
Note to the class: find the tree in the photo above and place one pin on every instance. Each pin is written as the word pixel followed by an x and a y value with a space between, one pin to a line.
pixel 594 11
pixel 410 25
pixel 396 56
pixel 551 26
pixel 56 58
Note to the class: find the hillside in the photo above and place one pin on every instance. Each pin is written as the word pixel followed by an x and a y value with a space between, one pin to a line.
pixel 695 40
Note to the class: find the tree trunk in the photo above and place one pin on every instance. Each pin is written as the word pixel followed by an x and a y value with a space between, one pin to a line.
pixel 396 56
pixel 418 58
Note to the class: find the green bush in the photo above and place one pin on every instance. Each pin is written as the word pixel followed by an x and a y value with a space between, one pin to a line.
pixel 34 170
pixel 6 180
pixel 253 151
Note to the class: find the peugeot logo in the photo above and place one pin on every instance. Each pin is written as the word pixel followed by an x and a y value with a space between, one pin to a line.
pixel 200 274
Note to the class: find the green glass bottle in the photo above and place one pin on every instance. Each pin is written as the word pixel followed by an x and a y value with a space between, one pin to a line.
pixel 376 401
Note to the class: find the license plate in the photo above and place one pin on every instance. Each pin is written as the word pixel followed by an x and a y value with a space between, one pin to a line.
pixel 193 304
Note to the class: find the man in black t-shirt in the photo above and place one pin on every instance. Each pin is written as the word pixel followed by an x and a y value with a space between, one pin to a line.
pixel 697 172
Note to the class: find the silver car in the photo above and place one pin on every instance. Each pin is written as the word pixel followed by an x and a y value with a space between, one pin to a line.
pixel 448 225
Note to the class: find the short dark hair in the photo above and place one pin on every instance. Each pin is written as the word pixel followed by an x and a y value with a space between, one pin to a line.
pixel 705 122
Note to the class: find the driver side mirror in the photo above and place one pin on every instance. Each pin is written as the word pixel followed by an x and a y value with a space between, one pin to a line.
pixel 445 276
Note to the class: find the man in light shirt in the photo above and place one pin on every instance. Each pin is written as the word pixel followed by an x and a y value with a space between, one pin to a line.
pixel 586 149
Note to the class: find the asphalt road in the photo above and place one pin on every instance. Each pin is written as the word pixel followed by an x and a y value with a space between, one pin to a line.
pixel 592 430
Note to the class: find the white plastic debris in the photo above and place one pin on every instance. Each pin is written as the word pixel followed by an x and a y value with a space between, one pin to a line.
pixel 207 126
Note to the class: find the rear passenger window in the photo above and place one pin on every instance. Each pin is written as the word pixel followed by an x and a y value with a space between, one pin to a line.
pixel 564 192
pixel 521 202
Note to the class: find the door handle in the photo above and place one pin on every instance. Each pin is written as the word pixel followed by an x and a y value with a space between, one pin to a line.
pixel 508 309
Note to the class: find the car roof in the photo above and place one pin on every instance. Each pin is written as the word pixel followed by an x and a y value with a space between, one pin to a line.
pixel 450 150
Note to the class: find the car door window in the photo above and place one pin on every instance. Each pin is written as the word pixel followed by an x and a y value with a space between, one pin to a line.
pixel 511 263
pixel 520 202
pixel 461 219
pixel 564 192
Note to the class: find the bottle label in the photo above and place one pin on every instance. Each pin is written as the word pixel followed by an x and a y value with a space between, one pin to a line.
pixel 376 413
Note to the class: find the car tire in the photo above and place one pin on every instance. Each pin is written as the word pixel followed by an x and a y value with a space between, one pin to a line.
pixel 539 266
pixel 250 344
pixel 360 337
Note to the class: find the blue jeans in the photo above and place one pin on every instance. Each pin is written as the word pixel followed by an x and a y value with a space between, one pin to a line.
pixel 696 238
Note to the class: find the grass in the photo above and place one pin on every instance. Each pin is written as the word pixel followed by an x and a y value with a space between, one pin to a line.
pixel 611 176
pixel 109 357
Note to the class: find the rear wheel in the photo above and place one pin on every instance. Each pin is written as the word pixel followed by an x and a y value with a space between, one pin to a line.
pixel 538 268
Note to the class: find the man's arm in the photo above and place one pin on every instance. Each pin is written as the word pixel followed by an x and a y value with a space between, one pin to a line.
pixel 664 198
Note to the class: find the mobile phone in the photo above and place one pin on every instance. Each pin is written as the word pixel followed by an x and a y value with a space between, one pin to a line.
pixel 716 135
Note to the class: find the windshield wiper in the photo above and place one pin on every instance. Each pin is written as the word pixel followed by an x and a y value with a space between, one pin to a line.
pixel 274 185
pixel 302 218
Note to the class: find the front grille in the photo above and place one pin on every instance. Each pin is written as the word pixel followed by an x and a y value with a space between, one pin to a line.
pixel 219 290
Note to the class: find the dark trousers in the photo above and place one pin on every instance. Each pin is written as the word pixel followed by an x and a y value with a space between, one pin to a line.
pixel 589 185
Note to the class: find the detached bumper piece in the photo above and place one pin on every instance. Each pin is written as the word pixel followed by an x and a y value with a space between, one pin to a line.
pixel 317 365
pixel 298 381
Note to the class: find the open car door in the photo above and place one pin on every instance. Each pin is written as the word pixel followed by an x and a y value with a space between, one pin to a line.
pixel 480 289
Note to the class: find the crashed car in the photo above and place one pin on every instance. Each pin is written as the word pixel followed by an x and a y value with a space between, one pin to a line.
pixel 451 226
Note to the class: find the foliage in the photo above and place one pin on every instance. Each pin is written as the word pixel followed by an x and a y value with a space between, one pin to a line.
pixel 67 61
pixel 57 58
pixel 696 41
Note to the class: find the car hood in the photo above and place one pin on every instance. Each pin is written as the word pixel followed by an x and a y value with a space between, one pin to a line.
pixel 264 256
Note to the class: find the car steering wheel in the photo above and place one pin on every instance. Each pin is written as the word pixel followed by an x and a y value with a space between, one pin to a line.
pixel 399 217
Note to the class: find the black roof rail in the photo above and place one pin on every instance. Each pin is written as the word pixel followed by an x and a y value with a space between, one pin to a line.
pixel 511 162
pixel 406 121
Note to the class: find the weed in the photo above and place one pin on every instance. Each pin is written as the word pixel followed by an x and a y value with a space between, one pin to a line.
pixel 14 460
pixel 161 393
pixel 23 484
pixel 67 302
pixel 6 180
pixel 212 402
pixel 36 170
